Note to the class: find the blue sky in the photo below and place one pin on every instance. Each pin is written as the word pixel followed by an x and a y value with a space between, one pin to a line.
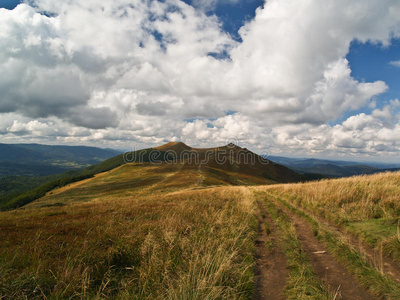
pixel 9 4
pixel 292 84
pixel 371 62
pixel 233 15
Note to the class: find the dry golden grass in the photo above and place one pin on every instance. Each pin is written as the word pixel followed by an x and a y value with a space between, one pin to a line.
pixel 137 180
pixel 355 198
pixel 127 181
pixel 187 245
pixel 368 206
pixel 145 231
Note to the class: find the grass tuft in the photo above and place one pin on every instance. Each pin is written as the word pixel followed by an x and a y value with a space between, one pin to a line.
pixel 190 245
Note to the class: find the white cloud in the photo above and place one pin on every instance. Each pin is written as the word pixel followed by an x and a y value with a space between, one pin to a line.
pixel 362 134
pixel 358 122
pixel 395 63
pixel 134 71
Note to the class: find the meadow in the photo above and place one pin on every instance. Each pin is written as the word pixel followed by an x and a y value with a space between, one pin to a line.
pixel 143 231
pixel 366 206
pixel 189 245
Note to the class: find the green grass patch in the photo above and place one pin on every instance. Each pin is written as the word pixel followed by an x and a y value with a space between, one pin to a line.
pixel 361 219
pixel 375 230
pixel 379 284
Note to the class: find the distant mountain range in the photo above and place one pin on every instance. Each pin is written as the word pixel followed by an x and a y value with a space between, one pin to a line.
pixel 333 168
pixel 27 166
pixel 40 160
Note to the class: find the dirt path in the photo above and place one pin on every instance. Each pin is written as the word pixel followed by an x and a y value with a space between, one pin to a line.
pixel 385 264
pixel 271 268
pixel 333 274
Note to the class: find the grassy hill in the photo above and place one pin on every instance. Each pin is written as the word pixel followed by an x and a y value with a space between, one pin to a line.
pixel 240 165
pixel 176 166
pixel 11 202
pixel 168 168
pixel 176 222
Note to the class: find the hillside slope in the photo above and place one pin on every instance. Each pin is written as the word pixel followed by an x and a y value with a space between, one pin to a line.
pixel 171 168
pixel 134 233
pixel 60 180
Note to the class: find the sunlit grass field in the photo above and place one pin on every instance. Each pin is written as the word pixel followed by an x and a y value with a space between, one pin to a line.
pixel 368 206
pixel 189 245
pixel 142 231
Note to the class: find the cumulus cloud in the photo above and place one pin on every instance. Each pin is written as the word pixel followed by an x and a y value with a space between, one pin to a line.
pixel 122 71
pixel 365 134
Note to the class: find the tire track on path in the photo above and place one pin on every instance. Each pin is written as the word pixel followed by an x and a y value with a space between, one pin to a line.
pixel 271 270
pixel 332 273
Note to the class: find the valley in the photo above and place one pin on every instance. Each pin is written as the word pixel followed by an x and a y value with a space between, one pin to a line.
pixel 24 167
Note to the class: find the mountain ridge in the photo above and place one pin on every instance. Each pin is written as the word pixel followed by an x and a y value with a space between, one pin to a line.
pixel 169 167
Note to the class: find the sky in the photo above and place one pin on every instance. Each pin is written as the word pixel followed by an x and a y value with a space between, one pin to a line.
pixel 300 78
